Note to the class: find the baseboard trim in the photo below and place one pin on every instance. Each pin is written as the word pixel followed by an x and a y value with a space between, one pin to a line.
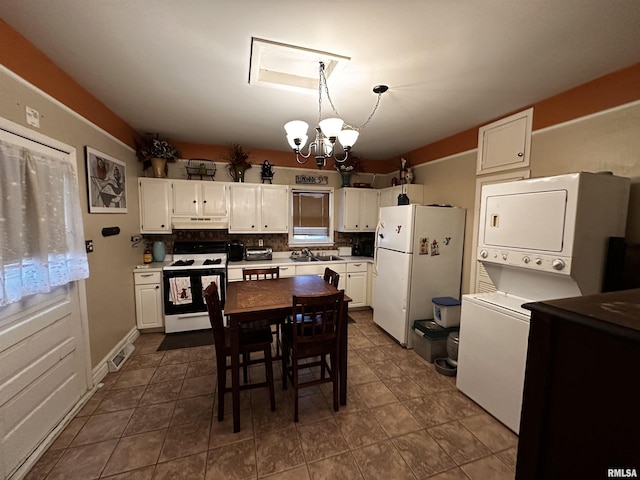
pixel 101 370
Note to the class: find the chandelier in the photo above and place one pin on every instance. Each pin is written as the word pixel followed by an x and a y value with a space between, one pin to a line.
pixel 328 130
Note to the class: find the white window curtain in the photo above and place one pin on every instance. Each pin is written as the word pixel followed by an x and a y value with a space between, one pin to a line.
pixel 41 231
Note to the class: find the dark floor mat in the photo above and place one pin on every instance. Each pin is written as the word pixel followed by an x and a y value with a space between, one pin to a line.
pixel 196 338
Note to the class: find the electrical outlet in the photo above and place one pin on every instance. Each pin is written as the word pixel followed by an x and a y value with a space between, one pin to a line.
pixel 261 243
pixel 89 245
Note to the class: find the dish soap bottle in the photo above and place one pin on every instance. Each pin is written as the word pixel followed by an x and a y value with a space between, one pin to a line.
pixel 147 254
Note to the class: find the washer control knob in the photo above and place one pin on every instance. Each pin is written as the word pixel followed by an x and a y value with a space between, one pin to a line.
pixel 557 264
pixel 484 253
pixel 538 261
pixel 526 259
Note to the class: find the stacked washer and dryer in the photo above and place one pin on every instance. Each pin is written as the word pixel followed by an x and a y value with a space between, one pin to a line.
pixel 539 239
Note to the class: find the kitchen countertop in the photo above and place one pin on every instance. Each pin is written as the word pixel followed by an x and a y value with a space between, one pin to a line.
pixel 287 261
pixel 277 260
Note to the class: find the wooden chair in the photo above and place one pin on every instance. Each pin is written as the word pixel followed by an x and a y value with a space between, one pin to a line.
pixel 331 277
pixel 318 336
pixel 251 340
pixel 266 274
pixel 260 273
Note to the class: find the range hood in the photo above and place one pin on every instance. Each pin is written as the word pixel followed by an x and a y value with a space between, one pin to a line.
pixel 199 223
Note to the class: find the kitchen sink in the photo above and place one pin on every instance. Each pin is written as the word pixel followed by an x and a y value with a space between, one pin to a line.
pixel 304 259
pixel 329 258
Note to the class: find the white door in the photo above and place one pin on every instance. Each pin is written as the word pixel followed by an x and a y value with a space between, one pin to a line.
pixel 214 199
pixel 275 209
pixel 391 291
pixel 186 198
pixel 244 208
pixel 44 349
pixel 395 230
pixel 368 209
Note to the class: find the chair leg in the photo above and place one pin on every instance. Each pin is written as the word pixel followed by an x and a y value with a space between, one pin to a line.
pixel 246 358
pixel 285 366
pixel 294 367
pixel 278 346
pixel 334 375
pixel 222 386
pixel 268 365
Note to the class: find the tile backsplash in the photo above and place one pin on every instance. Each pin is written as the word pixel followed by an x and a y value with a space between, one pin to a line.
pixel 279 241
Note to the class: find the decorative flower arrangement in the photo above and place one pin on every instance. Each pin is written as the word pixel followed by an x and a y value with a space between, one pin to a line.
pixel 238 162
pixel 150 146
pixel 353 164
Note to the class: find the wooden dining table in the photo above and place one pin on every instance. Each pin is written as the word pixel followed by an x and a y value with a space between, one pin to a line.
pixel 274 298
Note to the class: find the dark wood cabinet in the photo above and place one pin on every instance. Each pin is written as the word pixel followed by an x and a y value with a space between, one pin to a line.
pixel 581 405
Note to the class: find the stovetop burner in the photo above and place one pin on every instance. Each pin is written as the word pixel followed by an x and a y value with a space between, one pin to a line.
pixel 182 263
pixel 212 262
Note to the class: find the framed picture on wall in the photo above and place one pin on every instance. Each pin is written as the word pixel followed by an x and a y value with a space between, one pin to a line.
pixel 106 183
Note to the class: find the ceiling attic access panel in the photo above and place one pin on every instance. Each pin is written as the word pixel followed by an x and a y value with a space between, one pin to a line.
pixel 288 67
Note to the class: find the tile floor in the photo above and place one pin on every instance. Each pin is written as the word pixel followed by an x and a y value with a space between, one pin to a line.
pixel 155 419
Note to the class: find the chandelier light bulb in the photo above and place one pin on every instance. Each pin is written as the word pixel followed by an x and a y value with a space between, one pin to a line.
pixel 331 127
pixel 348 137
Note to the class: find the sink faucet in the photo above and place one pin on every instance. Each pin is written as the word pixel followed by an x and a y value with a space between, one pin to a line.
pixel 306 251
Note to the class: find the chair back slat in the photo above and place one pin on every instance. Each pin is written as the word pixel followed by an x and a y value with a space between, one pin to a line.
pixel 215 315
pixel 260 273
pixel 331 277
pixel 322 316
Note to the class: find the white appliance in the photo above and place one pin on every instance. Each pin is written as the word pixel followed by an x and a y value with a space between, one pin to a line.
pixel 539 239
pixel 418 257
pixel 195 266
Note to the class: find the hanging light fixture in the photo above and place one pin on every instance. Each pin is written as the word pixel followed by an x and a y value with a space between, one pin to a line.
pixel 328 130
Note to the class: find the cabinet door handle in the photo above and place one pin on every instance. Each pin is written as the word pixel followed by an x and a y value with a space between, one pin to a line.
pixel 157 287
pixel 195 201
pixel 357 264
pixel 147 275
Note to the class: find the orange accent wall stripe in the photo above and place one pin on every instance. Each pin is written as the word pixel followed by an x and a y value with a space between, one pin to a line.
pixel 25 60
pixel 609 91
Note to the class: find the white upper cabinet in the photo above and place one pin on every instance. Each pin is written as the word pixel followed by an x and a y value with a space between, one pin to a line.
pixel 505 144
pixel 357 209
pixel 192 198
pixel 154 196
pixel 258 208
pixel 275 208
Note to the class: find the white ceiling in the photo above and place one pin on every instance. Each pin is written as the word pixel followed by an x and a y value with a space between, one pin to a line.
pixel 181 67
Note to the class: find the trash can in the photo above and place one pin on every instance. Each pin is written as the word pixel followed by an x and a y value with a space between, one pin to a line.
pixel 430 339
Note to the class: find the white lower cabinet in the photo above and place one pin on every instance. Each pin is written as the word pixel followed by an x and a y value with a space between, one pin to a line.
pixel 356 284
pixel 148 290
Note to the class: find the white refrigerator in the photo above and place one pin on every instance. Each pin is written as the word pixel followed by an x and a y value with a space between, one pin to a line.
pixel 418 257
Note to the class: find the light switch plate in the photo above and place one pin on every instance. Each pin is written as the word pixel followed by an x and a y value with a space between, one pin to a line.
pixel 33 117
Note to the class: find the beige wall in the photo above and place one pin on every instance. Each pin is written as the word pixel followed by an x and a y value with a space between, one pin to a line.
pixel 110 298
